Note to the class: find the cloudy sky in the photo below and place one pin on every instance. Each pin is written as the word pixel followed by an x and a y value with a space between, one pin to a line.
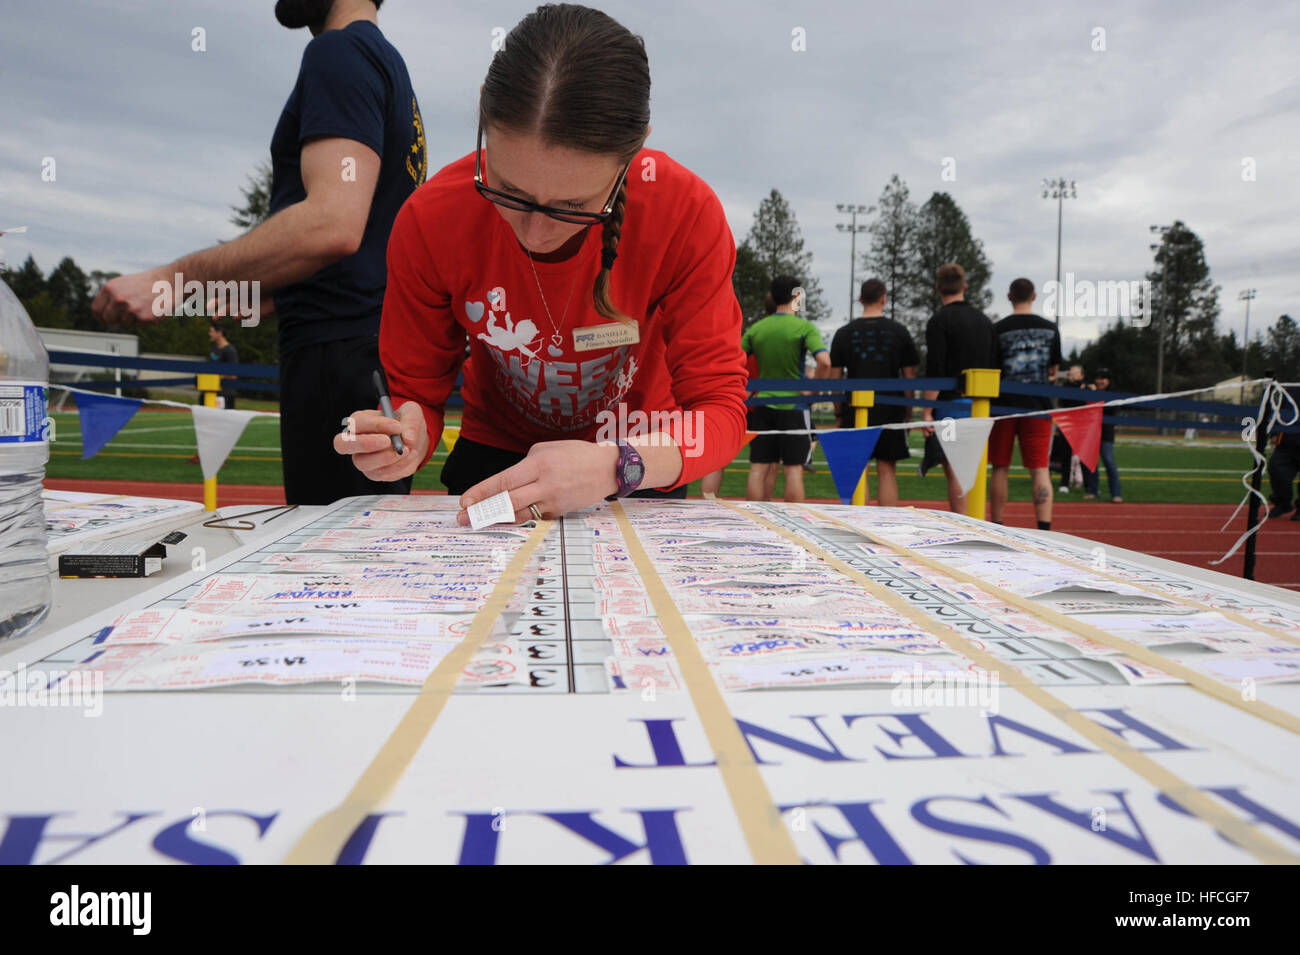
pixel 152 140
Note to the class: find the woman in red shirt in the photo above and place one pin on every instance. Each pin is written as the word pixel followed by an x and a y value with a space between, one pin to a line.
pixel 577 371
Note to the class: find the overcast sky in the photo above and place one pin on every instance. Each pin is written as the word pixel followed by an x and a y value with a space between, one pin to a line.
pixel 153 140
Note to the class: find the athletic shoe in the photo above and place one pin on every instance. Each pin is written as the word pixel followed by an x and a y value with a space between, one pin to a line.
pixel 1117 500
pixel 1296 516
pixel 1279 511
pixel 1063 490
pixel 1090 497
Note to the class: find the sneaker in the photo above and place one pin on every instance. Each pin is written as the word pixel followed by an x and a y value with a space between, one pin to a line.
pixel 1063 490
pixel 1277 511
pixel 1296 516
pixel 1090 497
pixel 1117 500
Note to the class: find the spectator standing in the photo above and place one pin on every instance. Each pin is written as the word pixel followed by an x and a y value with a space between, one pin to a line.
pixel 958 336
pixel 873 346
pixel 1029 347
pixel 1062 455
pixel 224 352
pixel 781 341
pixel 1091 484
pixel 1283 466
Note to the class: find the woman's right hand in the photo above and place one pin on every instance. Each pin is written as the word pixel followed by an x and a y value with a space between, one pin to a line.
pixel 368 440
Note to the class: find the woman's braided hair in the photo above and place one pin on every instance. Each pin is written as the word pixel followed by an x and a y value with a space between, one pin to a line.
pixel 578 79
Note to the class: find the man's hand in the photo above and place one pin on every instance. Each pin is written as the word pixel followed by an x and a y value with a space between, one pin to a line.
pixel 928 415
pixel 129 297
pixel 368 441
pixel 557 476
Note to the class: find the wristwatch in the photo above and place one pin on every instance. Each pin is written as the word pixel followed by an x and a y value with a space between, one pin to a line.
pixel 629 471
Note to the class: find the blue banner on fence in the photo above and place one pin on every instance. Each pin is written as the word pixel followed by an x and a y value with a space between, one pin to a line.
pixel 102 416
pixel 847 454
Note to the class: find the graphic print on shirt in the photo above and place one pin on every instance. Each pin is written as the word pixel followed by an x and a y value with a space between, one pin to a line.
pixel 559 395
pixel 1026 354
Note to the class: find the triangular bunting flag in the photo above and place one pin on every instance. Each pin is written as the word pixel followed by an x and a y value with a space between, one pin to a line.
pixel 847 453
pixel 217 431
pixel 963 442
pixel 449 437
pixel 1082 429
pixel 749 436
pixel 102 416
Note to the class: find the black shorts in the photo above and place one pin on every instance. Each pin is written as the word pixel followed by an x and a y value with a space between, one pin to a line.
pixel 471 462
pixel 789 449
pixel 320 385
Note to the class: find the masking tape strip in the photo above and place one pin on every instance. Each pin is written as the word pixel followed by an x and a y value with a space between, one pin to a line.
pixel 321 843
pixel 769 841
pixel 1184 794
pixel 1207 685
pixel 1175 598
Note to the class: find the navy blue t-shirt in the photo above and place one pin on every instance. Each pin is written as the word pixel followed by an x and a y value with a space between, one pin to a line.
pixel 352 85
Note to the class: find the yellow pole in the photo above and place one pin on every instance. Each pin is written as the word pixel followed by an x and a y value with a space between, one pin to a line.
pixel 981 385
pixel 208 386
pixel 862 401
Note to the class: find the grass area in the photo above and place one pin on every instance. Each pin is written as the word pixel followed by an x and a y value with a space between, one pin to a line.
pixel 157 444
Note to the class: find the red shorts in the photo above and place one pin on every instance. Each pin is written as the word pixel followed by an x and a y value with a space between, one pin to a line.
pixel 1035 441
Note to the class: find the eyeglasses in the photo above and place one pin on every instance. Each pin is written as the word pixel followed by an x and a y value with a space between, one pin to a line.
pixel 523 205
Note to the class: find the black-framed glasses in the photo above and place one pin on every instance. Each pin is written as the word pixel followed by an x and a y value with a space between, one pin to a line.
pixel 523 205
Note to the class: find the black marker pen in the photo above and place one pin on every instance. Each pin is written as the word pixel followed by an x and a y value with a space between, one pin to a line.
pixel 386 405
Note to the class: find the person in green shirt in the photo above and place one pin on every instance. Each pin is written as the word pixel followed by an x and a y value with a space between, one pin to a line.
pixel 781 342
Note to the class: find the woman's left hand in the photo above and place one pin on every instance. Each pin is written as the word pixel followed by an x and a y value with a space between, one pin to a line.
pixel 557 476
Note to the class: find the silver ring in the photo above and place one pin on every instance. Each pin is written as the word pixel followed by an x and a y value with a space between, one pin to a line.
pixel 535 511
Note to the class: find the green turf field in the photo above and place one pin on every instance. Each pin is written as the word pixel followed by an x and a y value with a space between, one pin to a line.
pixel 157 444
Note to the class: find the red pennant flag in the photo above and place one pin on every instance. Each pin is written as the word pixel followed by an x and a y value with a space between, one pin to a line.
pixel 749 436
pixel 1082 429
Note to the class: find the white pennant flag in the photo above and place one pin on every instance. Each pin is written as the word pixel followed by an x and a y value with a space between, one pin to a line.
pixel 963 441
pixel 217 431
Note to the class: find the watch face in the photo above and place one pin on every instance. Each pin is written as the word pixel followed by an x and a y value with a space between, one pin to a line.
pixel 635 472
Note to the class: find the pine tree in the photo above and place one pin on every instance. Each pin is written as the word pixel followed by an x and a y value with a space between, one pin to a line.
pixel 1184 300
pixel 943 235
pixel 893 237
pixel 777 247
pixel 257 198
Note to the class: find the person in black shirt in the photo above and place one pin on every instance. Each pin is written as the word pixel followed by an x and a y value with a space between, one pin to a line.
pixel 958 336
pixel 1062 455
pixel 1284 464
pixel 1090 483
pixel 223 351
pixel 348 150
pixel 1029 347
pixel 873 346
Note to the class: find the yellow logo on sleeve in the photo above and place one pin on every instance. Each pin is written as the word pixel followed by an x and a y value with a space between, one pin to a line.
pixel 417 163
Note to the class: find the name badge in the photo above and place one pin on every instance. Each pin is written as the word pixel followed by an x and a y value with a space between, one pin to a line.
pixel 605 336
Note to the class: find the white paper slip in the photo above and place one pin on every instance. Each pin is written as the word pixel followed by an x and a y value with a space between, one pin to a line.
pixel 331 659
pixel 1258 667
pixel 965 678
pixel 495 510
pixel 272 593
pixel 160 625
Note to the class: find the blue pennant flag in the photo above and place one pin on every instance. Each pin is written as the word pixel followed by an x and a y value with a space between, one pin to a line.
pixel 847 454
pixel 102 416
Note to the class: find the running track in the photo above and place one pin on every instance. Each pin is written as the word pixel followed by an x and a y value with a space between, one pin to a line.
pixel 1188 533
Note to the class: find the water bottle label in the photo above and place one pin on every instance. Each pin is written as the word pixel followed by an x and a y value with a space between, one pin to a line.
pixel 22 412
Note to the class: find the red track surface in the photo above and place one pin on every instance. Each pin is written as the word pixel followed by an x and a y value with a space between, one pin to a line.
pixel 1188 533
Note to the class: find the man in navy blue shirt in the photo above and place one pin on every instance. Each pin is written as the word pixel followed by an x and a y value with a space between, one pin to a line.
pixel 348 150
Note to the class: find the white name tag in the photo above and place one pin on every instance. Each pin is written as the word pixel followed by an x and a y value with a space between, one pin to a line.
pixel 605 336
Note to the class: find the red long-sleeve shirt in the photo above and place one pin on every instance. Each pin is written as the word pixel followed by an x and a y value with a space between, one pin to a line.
pixel 456 271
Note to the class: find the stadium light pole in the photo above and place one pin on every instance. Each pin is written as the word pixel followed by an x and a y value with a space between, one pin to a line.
pixel 1060 190
pixel 1247 296
pixel 854 210
pixel 1164 307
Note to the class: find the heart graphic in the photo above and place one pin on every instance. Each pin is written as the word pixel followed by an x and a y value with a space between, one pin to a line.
pixel 474 311
pixel 555 352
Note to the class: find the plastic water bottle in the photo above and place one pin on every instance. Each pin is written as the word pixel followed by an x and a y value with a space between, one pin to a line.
pixel 25 588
